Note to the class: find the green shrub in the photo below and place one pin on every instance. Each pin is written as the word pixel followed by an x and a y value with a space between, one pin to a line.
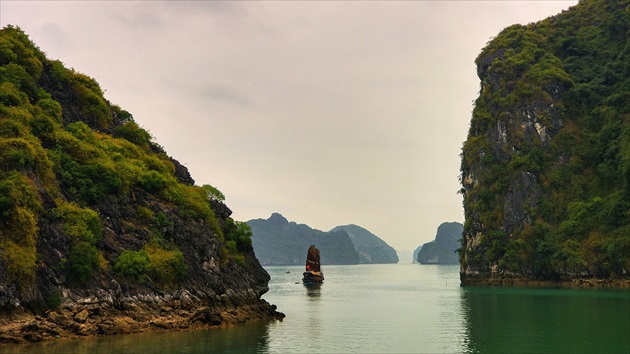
pixel 43 126
pixel 54 299
pixel 161 220
pixel 21 227
pixel 83 261
pixel 238 233
pixel 75 149
pixel 17 75
pixel 132 132
pixel 17 48
pixel 10 96
pixel 231 246
pixel 152 181
pixel 51 108
pixel 192 202
pixel 120 115
pixel 213 193
pixel 165 267
pixel 154 162
pixel 567 257
pixel 82 131
pixel 17 153
pixel 20 204
pixel 17 190
pixel 94 108
pixel 19 261
pixel 90 182
pixel 239 259
pixel 132 264
pixel 81 224
pixel 11 128
pixel 145 214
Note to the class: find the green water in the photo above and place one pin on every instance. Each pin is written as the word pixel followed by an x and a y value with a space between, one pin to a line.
pixel 398 308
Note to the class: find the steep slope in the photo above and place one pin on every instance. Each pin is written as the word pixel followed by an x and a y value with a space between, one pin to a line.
pixel 546 165
pixel 370 247
pixel 100 231
pixel 442 250
pixel 415 253
pixel 277 241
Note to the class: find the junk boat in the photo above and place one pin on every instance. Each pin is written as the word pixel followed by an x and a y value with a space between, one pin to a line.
pixel 313 272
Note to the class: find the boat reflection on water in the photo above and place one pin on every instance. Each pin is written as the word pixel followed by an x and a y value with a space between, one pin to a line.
pixel 313 290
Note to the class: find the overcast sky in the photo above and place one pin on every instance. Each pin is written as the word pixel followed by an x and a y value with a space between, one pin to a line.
pixel 328 112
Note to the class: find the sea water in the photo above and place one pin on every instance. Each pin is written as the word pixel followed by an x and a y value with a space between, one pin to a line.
pixel 397 308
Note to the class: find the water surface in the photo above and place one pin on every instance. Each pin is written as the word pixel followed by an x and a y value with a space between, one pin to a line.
pixel 398 308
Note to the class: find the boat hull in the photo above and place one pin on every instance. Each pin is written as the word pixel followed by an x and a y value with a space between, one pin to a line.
pixel 312 277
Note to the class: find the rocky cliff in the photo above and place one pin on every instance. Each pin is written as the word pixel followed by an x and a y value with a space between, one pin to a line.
pixel 277 241
pixel 371 248
pixel 101 232
pixel 415 254
pixel 546 165
pixel 442 250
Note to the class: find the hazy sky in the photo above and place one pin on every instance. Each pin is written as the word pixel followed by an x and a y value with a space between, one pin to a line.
pixel 328 112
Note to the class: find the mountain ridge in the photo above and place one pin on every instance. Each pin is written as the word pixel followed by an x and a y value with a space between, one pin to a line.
pixel 370 247
pixel 277 241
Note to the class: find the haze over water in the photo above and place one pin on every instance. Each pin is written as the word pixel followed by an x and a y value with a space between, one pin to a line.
pixel 398 308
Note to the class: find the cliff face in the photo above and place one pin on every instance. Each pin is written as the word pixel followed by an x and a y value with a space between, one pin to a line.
pixel 546 165
pixel 371 249
pixel 277 241
pixel 442 250
pixel 101 232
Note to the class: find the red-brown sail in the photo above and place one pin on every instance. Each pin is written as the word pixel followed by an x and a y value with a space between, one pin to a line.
pixel 312 259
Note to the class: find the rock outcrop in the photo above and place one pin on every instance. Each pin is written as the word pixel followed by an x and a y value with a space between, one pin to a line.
pixel 442 250
pixel 546 165
pixel 101 232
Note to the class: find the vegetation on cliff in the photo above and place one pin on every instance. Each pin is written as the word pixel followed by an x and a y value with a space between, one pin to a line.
pixel 87 198
pixel 546 165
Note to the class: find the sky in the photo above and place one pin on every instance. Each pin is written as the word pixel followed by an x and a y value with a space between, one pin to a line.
pixel 327 112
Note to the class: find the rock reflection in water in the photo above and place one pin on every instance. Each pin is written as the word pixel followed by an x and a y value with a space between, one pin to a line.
pixel 252 338
pixel 500 320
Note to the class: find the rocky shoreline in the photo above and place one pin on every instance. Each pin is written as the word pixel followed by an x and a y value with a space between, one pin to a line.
pixel 618 283
pixel 171 312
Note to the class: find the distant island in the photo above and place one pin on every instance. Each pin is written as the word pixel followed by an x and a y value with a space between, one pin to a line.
pixel 415 254
pixel 277 241
pixel 545 168
pixel 370 247
pixel 442 250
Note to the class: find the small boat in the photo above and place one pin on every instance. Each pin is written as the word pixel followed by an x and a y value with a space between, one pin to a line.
pixel 313 273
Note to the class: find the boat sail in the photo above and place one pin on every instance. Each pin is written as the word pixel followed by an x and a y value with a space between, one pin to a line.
pixel 313 273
